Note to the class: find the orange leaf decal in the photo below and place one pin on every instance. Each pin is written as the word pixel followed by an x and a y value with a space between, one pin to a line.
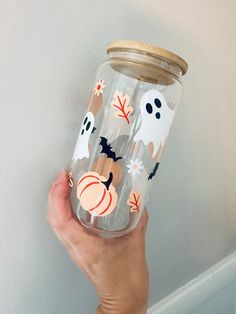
pixel 121 103
pixel 134 202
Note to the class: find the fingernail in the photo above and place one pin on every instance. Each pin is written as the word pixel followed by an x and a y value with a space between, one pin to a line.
pixel 70 179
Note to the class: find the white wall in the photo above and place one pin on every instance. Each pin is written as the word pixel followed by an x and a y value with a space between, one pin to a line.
pixel 49 54
pixel 212 292
pixel 222 302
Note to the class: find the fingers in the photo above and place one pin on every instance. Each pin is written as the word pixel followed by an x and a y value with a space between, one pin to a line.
pixel 59 214
pixel 69 231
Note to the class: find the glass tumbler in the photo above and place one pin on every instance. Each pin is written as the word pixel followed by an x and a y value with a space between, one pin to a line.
pixel 123 135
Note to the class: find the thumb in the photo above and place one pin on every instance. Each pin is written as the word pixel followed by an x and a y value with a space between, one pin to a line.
pixel 60 213
pixel 59 205
pixel 143 223
pixel 141 227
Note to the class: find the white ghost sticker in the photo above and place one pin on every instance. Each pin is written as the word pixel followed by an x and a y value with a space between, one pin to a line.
pixel 156 120
pixel 81 149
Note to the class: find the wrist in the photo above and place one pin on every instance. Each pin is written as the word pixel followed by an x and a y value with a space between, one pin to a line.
pixel 99 310
pixel 124 309
pixel 130 301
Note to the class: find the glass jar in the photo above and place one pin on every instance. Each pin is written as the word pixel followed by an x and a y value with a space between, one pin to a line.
pixel 123 135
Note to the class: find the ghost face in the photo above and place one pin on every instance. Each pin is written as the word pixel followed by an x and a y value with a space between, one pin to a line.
pixel 156 120
pixel 81 148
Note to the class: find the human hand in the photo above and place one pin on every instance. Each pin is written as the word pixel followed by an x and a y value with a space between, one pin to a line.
pixel 117 267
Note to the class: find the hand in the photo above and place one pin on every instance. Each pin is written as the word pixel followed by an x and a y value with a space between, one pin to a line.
pixel 117 267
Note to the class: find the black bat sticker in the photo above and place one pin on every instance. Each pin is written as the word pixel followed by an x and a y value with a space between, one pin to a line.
pixel 94 129
pixel 153 173
pixel 107 149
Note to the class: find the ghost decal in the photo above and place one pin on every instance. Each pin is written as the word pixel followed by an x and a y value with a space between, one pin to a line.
pixel 81 149
pixel 156 120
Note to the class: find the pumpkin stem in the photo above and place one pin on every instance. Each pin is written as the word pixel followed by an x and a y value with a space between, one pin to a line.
pixel 108 182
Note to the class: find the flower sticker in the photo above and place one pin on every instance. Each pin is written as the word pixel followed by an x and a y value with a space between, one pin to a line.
pixel 121 103
pixel 99 87
pixel 134 202
pixel 135 166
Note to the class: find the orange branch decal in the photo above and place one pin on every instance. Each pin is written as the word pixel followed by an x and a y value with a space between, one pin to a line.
pixel 121 103
pixel 134 202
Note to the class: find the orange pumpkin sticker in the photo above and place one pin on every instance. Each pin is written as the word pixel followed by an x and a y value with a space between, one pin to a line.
pixel 97 194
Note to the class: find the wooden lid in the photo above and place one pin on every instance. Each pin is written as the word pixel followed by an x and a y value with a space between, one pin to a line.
pixel 152 50
pixel 142 71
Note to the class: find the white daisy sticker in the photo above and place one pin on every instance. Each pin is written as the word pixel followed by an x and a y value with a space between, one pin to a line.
pixel 99 87
pixel 135 166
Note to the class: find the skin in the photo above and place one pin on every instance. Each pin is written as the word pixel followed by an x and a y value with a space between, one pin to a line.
pixel 117 267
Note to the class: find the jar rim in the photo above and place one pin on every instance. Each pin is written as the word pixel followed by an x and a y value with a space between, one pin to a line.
pixel 142 47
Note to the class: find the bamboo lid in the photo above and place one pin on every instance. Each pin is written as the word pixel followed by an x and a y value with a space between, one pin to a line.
pixel 148 49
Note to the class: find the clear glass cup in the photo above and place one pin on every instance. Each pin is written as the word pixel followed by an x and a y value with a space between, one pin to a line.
pixel 123 135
